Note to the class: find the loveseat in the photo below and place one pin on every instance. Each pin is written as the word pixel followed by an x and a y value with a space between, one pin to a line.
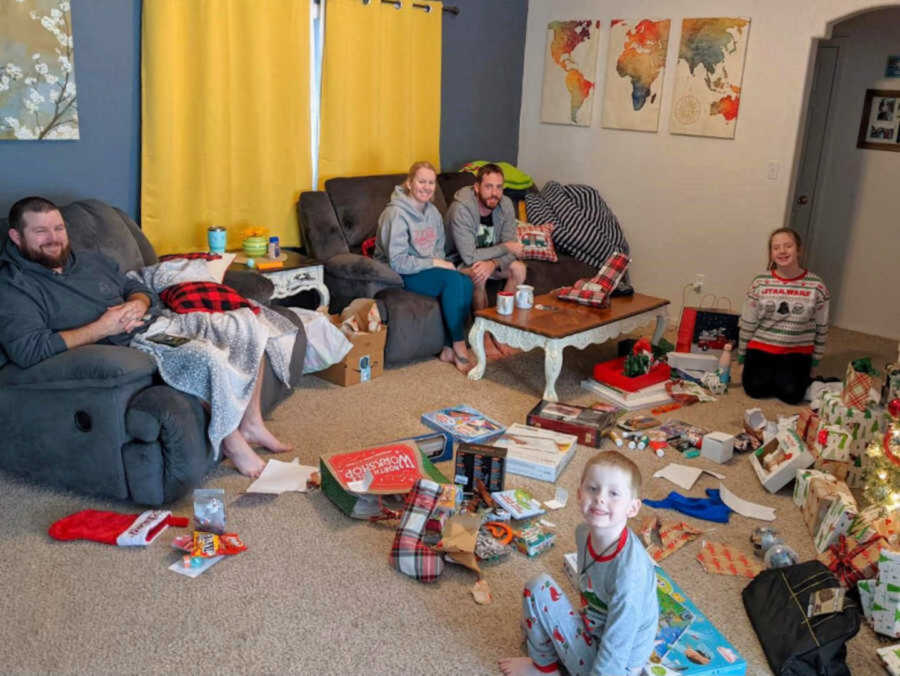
pixel 97 418
pixel 336 221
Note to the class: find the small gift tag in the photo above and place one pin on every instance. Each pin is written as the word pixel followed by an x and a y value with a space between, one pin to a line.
pixel 824 601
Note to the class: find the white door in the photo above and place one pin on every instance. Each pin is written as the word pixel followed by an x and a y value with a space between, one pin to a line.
pixel 813 142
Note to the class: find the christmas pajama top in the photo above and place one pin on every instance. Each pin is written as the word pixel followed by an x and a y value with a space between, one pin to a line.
pixel 785 316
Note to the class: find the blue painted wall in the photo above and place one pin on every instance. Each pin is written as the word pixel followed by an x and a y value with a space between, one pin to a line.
pixel 105 162
pixel 481 79
pixel 483 57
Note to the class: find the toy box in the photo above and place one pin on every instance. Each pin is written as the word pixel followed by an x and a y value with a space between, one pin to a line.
pixel 436 446
pixel 463 423
pixel 477 461
pixel 587 424
pixel 535 452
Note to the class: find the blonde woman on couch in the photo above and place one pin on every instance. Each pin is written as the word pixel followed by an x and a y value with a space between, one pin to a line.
pixel 410 238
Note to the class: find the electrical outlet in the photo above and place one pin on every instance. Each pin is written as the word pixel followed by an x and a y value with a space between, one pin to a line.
pixel 698 283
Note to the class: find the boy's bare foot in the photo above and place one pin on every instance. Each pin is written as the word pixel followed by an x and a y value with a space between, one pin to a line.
pixel 446 354
pixel 520 666
pixel 236 449
pixel 257 433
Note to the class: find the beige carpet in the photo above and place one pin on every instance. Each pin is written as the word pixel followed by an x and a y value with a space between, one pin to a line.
pixel 314 593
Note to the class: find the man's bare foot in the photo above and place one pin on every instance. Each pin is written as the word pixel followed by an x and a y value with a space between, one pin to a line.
pixel 236 449
pixel 463 362
pixel 257 433
pixel 491 349
pixel 520 666
pixel 446 354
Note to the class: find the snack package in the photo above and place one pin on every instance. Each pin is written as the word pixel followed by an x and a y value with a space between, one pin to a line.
pixel 206 545
pixel 209 509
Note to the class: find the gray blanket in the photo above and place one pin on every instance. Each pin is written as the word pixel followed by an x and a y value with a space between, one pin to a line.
pixel 221 362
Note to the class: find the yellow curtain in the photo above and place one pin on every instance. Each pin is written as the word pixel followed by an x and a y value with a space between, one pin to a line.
pixel 225 119
pixel 381 87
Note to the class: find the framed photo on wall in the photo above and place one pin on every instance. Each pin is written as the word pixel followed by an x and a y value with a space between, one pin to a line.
pixel 879 128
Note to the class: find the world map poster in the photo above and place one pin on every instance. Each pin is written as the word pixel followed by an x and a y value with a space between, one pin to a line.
pixel 635 64
pixel 708 76
pixel 570 72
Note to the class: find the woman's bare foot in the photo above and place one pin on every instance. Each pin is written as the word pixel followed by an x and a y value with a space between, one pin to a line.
pixel 446 354
pixel 519 666
pixel 257 433
pixel 463 361
pixel 236 449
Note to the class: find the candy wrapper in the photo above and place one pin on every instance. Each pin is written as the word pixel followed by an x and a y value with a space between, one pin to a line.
pixel 716 557
pixel 206 545
pixel 662 538
pixel 836 522
pixel 852 560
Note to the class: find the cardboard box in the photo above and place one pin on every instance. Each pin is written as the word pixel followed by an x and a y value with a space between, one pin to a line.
pixel 781 474
pixel 587 424
pixel 363 362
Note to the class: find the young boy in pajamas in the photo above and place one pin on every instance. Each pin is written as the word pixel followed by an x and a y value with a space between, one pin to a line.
pixel 614 632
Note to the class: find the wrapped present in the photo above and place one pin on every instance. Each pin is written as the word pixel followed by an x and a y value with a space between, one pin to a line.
pixel 717 557
pixel 859 384
pixel 866 590
pixel 833 443
pixel 864 425
pixel 890 658
pixel 855 474
pixel 801 485
pixel 852 560
pixel 836 522
pixel 889 566
pixel 886 609
pixel 876 520
pixel 821 495
pixel 839 470
pixel 808 425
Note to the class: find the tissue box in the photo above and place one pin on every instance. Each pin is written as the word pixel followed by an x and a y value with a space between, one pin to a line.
pixel 717 446
pixel 836 522
pixel 772 464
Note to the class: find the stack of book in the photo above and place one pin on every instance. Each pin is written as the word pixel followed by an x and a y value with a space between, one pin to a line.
pixel 613 385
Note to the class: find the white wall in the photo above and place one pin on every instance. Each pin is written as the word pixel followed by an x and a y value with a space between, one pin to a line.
pixel 856 237
pixel 689 204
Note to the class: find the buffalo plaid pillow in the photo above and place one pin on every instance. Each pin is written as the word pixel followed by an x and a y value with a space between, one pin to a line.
pixel 595 290
pixel 203 297
pixel 537 242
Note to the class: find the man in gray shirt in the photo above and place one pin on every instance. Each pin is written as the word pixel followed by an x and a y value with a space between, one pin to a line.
pixel 482 224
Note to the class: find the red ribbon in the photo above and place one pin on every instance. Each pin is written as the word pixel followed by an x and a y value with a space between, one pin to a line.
pixel 841 564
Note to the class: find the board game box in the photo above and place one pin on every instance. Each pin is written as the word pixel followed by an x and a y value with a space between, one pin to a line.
pixel 588 424
pixel 463 423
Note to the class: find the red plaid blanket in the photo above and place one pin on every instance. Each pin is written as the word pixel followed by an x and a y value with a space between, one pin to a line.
pixel 203 297
pixel 595 290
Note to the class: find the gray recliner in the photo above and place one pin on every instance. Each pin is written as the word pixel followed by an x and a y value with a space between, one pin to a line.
pixel 98 419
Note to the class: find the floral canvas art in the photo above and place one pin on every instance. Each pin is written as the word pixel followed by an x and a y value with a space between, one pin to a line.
pixel 37 71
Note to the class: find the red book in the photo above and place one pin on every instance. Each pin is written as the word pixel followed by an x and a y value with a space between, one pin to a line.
pixel 612 373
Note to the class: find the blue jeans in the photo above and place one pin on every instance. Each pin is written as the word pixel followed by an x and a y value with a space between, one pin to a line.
pixel 454 292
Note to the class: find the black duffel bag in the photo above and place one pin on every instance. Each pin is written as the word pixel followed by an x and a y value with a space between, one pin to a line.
pixel 795 644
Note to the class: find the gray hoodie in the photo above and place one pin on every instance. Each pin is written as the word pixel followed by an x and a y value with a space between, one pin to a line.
pixel 408 239
pixel 463 220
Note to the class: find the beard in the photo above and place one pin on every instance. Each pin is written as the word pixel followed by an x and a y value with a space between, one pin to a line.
pixel 47 260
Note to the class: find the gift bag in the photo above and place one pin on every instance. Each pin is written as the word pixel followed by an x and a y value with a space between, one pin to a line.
pixel 706 330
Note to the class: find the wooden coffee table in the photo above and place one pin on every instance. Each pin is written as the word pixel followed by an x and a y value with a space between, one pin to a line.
pixel 554 324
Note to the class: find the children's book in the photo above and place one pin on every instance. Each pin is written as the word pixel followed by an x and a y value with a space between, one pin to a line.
pixel 535 452
pixel 687 644
pixel 649 396
pixel 519 503
pixel 463 423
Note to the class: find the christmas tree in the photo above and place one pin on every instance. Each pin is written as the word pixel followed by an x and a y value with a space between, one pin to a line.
pixel 882 480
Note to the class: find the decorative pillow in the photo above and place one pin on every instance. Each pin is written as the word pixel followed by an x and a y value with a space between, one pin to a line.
pixel 203 297
pixel 595 290
pixel 217 264
pixel 537 242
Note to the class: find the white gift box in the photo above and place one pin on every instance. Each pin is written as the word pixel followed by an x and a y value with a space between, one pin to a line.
pixel 717 446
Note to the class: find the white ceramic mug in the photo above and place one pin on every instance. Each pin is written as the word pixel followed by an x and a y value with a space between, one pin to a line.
pixel 505 301
pixel 524 296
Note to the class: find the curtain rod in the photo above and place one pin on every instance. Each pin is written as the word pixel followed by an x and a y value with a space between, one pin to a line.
pixel 450 9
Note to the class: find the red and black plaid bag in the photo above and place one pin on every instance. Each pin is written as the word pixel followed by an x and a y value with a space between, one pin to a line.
pixel 595 290
pixel 203 297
